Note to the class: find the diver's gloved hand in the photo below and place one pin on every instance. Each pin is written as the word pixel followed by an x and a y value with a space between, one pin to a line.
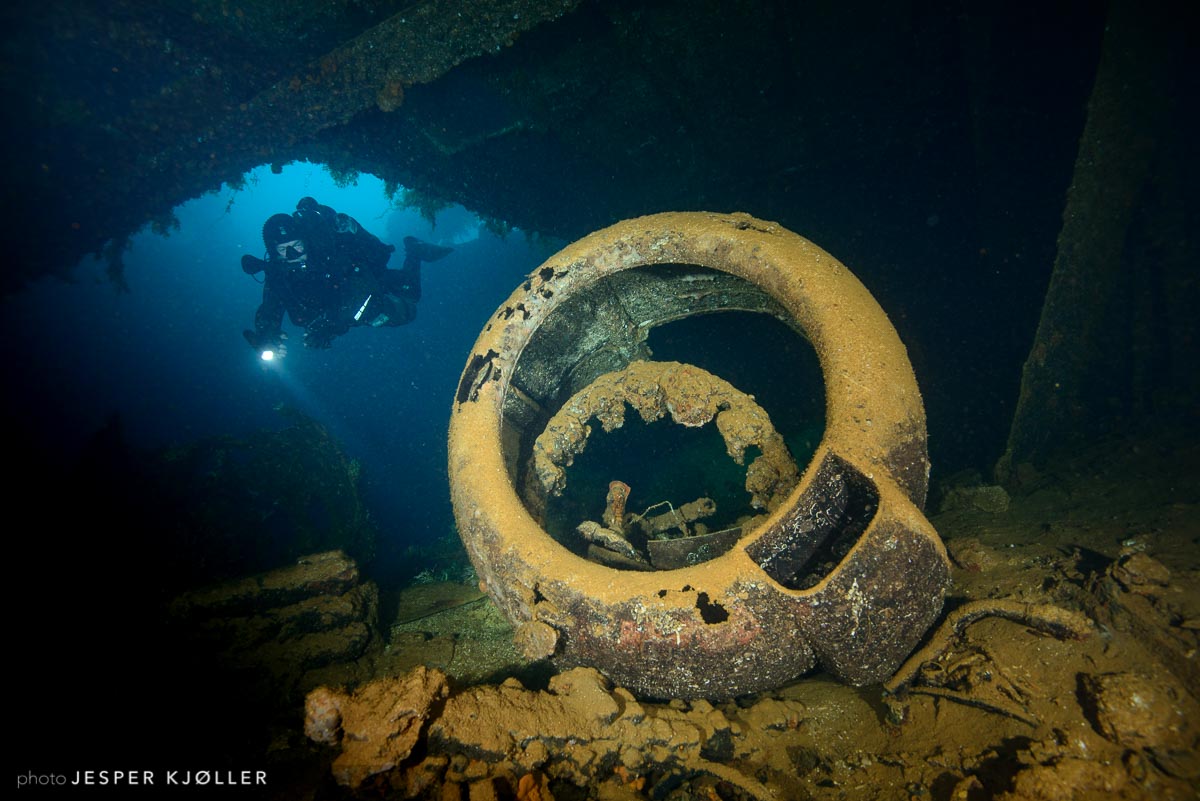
pixel 252 265
pixel 263 343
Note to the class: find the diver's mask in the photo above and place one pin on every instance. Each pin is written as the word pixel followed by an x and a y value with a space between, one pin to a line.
pixel 294 252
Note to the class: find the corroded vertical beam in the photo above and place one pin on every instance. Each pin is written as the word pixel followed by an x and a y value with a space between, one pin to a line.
pixel 1077 378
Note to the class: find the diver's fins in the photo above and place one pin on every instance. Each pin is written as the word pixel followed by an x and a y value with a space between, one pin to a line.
pixel 425 251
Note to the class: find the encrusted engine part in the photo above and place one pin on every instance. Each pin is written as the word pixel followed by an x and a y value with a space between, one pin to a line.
pixel 614 510
pixel 845 571
pixel 666 538
pixel 673 522
pixel 610 540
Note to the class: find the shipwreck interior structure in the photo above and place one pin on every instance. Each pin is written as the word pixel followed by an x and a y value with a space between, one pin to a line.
pixel 929 147
pixel 1011 191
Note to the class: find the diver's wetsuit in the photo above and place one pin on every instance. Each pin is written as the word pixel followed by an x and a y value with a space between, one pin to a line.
pixel 344 281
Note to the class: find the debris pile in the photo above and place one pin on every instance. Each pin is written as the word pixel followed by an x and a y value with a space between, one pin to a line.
pixel 691 397
pixel 286 623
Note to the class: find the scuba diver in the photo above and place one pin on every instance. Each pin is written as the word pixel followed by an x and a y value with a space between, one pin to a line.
pixel 330 274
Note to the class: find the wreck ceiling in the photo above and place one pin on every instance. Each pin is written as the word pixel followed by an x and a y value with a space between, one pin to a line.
pixel 557 116
pixel 927 145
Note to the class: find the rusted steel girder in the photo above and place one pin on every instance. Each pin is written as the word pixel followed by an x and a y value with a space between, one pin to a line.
pixel 846 572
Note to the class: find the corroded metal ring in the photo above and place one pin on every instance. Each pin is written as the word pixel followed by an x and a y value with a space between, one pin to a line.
pixel 846 572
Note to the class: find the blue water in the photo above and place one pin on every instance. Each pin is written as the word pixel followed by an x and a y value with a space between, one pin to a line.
pixel 169 358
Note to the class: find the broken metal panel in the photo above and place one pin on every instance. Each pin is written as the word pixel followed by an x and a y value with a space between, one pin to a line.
pixel 602 326
pixel 592 334
pixel 816 517
pixel 730 625
pixel 684 551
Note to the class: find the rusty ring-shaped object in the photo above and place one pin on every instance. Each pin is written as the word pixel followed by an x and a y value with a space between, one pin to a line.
pixel 846 573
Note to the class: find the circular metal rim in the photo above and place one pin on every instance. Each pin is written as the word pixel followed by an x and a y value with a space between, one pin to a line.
pixel 860 356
